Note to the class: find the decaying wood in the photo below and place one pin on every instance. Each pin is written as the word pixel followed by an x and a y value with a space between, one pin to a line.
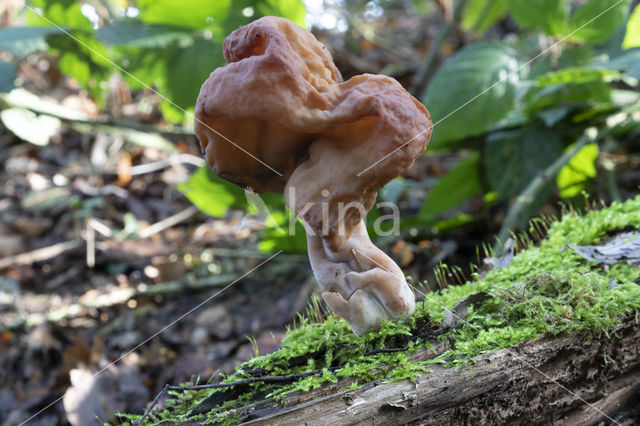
pixel 561 380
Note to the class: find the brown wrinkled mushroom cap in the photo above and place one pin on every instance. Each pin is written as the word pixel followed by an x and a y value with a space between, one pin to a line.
pixel 282 100
pixel 279 118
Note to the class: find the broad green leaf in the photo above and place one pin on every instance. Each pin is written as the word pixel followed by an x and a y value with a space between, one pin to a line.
pixel 64 13
pixel 573 177
pixel 7 76
pixel 480 15
pixel 602 19
pixel 290 9
pixel 84 59
pixel 20 41
pixel 37 129
pixel 138 34
pixel 593 93
pixel 548 16
pixel 246 11
pixel 184 13
pixel 461 183
pixel 629 63
pixel 212 194
pixel 632 36
pixel 577 75
pixel 393 190
pixel 189 68
pixel 280 233
pixel 512 159
pixel 553 115
pixel 472 91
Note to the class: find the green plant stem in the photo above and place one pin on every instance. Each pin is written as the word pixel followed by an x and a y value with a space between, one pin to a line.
pixel 527 196
pixel 419 81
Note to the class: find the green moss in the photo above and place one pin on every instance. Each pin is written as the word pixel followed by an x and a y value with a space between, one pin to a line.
pixel 546 289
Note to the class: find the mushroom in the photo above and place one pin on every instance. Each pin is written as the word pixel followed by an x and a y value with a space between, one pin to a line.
pixel 279 118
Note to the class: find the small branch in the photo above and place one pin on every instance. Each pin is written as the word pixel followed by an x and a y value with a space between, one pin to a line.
pixel 529 194
pixel 167 162
pixel 419 81
pixel 265 379
pixel 40 254
pixel 118 297
pixel 168 222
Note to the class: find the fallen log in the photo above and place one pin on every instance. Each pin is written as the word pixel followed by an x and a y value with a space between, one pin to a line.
pixel 552 380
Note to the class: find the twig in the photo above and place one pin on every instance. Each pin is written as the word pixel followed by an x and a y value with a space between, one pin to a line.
pixel 265 379
pixel 419 81
pixel 118 297
pixel 40 254
pixel 527 196
pixel 168 222
pixel 170 161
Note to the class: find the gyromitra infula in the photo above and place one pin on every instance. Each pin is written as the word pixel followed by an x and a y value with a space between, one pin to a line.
pixel 279 118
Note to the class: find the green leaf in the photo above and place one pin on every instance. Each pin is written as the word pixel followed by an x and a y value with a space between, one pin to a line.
pixel 461 183
pixel 7 76
pixel 609 16
pixel 189 68
pixel 548 16
pixel 138 34
pixel 632 36
pixel 480 15
pixel 84 59
pixel 280 233
pixel 577 75
pixel 290 9
pixel 629 63
pixel 512 159
pixel 482 74
pixel 37 129
pixel 211 194
pixel 20 41
pixel 64 13
pixel 183 13
pixel 573 177
pixel 551 116
pixel 593 93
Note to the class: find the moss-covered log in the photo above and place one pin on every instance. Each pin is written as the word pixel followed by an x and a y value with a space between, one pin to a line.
pixel 535 340
pixel 561 380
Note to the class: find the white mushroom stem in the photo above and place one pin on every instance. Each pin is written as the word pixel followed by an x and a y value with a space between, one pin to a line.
pixel 360 282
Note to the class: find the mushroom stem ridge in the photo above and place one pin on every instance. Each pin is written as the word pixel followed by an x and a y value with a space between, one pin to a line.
pixel 360 282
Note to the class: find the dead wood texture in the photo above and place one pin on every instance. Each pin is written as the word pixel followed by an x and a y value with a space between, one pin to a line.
pixel 548 381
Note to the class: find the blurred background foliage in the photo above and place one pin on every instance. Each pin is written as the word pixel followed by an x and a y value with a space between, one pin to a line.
pixel 534 101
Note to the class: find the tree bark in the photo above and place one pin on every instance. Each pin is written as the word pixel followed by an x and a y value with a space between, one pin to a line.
pixel 553 380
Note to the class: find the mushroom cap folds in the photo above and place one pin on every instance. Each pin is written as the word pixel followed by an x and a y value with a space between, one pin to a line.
pixel 282 100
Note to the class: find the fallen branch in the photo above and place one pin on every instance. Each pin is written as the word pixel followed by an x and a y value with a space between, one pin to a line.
pixel 429 334
pixel 265 379
pixel 118 297
pixel 40 254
